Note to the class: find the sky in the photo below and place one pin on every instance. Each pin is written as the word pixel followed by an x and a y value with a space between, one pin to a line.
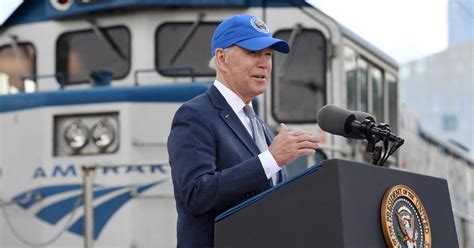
pixel 404 29
pixel 7 7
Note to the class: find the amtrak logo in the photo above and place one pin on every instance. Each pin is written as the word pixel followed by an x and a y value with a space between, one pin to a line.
pixel 404 219
pixel 259 25
pixel 107 201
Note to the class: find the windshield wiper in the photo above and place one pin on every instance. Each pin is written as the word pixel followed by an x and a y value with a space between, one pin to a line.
pixel 19 55
pixel 283 66
pixel 187 38
pixel 106 38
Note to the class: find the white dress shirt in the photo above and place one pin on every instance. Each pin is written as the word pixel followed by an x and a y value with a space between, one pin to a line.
pixel 269 164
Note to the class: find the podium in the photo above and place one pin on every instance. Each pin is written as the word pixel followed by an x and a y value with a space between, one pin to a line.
pixel 336 205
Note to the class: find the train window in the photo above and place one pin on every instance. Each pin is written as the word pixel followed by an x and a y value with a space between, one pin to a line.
pixel 299 78
pixel 392 101
pixel 16 63
pixel 183 49
pixel 362 76
pixel 363 79
pixel 377 92
pixel 102 49
pixel 350 67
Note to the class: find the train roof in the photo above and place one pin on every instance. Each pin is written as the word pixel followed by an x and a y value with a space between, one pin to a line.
pixel 367 45
pixel 448 147
pixel 41 10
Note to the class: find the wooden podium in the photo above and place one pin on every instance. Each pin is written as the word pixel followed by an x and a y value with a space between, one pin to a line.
pixel 339 205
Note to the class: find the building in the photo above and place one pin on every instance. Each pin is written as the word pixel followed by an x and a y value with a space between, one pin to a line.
pixel 460 21
pixel 439 90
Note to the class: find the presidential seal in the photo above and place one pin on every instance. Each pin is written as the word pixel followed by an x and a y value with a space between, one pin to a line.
pixel 405 223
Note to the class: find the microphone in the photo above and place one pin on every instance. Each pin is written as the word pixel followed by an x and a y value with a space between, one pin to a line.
pixel 338 121
pixel 335 120
pixel 353 125
pixel 360 125
pixel 360 116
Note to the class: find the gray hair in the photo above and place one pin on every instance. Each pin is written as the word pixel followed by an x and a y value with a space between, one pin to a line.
pixel 212 62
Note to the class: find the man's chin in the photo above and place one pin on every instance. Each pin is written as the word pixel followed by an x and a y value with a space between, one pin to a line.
pixel 261 91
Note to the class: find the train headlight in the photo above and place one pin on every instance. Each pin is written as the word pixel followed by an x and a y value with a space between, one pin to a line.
pixel 86 134
pixel 75 135
pixel 102 134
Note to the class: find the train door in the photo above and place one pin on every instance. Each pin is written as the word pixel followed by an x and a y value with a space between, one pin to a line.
pixel 301 80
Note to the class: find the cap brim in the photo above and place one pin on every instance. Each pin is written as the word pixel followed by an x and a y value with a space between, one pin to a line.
pixel 260 43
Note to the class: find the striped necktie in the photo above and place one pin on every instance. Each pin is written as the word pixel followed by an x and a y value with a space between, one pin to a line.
pixel 258 135
pixel 257 130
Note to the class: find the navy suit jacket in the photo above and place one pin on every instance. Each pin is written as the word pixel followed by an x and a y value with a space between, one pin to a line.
pixel 214 165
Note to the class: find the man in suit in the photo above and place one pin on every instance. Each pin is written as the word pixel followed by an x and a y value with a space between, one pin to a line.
pixel 215 159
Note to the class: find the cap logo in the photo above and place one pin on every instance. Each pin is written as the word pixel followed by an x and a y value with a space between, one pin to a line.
pixel 259 25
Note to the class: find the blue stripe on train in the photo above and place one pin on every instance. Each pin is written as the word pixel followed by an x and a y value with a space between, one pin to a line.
pixel 103 211
pixel 161 93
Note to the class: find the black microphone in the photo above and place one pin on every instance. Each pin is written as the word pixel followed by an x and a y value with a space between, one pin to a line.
pixel 333 119
pixel 354 125
pixel 360 116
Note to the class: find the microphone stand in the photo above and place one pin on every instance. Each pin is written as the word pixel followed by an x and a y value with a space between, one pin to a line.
pixel 372 140
pixel 376 154
pixel 383 133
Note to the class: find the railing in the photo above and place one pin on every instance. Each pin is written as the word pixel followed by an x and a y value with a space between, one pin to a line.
pixel 165 70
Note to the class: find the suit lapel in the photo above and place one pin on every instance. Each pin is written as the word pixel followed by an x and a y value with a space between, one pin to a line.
pixel 234 123
pixel 231 119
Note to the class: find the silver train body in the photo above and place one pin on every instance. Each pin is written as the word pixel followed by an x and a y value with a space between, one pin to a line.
pixel 88 90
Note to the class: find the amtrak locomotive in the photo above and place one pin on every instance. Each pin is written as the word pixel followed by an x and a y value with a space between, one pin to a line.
pixel 88 89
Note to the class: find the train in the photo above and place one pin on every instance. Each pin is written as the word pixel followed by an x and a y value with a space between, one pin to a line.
pixel 88 90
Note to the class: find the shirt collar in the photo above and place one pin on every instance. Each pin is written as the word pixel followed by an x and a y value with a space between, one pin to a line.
pixel 232 99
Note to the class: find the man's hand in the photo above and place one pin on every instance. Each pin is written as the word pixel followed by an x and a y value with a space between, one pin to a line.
pixel 290 145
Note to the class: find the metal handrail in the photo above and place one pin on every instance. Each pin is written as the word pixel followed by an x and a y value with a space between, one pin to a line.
pixel 165 70
pixel 59 76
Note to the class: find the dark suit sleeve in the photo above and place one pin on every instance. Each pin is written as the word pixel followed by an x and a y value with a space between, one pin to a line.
pixel 199 185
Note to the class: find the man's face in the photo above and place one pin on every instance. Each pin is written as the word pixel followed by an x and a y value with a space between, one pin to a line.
pixel 247 72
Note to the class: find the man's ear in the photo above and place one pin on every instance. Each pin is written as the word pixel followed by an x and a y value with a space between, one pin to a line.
pixel 221 59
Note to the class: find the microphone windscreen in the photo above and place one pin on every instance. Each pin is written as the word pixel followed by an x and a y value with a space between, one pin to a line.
pixel 360 116
pixel 335 120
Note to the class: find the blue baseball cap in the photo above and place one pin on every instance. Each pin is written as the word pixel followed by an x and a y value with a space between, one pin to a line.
pixel 248 32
